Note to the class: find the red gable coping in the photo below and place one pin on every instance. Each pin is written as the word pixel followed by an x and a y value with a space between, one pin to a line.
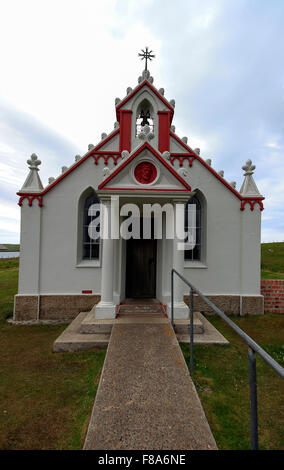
pixel 73 167
pixel 236 193
pixel 138 88
pixel 138 151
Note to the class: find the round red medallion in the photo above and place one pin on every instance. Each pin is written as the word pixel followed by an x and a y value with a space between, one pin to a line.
pixel 145 172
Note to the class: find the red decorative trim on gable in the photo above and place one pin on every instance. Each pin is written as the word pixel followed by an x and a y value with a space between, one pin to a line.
pixel 222 180
pixel 138 88
pixel 106 156
pixel 147 189
pixel 252 203
pixel 157 155
pixel 125 129
pixel 30 199
pixel 181 157
pixel 72 168
pixel 164 131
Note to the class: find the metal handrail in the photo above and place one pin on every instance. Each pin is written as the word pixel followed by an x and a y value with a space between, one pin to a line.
pixel 253 348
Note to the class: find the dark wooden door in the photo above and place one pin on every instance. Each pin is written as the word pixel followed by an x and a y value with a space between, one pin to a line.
pixel 141 268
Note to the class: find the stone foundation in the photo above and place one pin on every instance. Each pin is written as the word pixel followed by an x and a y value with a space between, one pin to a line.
pixel 52 307
pixel 229 304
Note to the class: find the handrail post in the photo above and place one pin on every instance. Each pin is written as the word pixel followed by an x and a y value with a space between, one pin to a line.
pixel 253 400
pixel 191 307
pixel 172 298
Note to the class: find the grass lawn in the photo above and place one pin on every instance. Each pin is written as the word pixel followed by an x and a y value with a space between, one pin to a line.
pixel 272 260
pixel 45 398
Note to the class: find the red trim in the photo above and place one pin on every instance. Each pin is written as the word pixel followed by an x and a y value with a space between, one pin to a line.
pixel 73 167
pixel 147 189
pixel 30 199
pixel 87 291
pixel 164 130
pixel 125 129
pixel 252 203
pixel 242 198
pixel 138 151
pixel 181 158
pixel 138 88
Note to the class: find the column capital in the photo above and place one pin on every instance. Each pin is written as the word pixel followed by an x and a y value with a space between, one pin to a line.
pixel 181 200
pixel 106 200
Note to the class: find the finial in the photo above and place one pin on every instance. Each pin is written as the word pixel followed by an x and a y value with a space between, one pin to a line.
pixel 146 135
pixel 77 158
pixel 51 179
pixel 116 125
pixel 162 91
pixel 185 140
pixel 124 154
pixel 208 161
pixel 172 103
pixel 146 76
pixel 248 168
pixel 233 184
pixel 33 182
pixel 90 147
pixel 173 129
pixel 106 172
pixel 34 162
pixel 197 151
pixel 117 101
pixel 221 173
pixel 64 168
pixel 147 55
pixel 103 136
pixel 249 187
pixel 166 155
pixel 129 90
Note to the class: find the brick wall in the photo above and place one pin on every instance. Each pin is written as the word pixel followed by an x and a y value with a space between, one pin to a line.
pixel 273 292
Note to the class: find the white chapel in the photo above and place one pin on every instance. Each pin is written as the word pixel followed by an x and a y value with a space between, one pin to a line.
pixel 141 162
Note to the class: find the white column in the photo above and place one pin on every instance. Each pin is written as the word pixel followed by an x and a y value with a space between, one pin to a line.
pixel 106 307
pixel 180 308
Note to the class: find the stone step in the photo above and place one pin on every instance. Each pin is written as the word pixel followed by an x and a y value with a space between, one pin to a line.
pixel 85 332
pixel 181 326
pixel 73 340
pixel 91 325
pixel 146 309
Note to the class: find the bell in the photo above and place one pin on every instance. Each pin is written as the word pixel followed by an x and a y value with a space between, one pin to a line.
pixel 145 118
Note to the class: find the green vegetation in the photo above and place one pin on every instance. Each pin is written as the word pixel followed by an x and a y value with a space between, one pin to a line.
pixel 272 260
pixel 9 247
pixel 45 398
pixel 221 379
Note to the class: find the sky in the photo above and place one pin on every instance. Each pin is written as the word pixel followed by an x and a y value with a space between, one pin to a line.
pixel 63 63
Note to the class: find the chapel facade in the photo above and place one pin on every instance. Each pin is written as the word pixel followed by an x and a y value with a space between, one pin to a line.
pixel 65 270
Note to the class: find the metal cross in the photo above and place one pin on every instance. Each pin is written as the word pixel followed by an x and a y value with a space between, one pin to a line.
pixel 146 55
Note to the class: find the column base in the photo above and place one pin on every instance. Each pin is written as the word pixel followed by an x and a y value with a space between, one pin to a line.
pixel 105 310
pixel 181 310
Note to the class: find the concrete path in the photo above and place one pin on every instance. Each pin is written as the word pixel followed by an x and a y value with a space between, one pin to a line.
pixel 146 398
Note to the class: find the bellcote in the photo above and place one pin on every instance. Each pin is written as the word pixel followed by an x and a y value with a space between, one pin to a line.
pixel 144 105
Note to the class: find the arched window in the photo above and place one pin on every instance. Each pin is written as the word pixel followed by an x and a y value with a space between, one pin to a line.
pixel 91 244
pixel 192 226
